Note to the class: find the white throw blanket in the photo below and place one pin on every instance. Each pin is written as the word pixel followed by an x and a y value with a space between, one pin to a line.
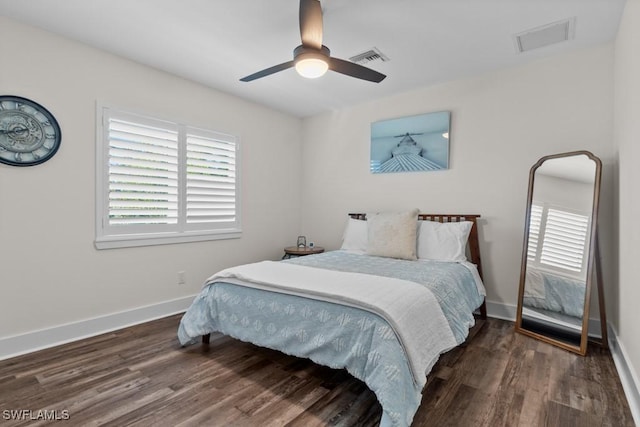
pixel 534 282
pixel 410 309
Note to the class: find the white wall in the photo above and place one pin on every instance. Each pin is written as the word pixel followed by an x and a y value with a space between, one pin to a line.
pixel 50 271
pixel 501 124
pixel 565 193
pixel 627 138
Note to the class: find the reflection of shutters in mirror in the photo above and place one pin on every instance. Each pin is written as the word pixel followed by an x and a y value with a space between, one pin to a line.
pixel 534 232
pixel 564 240
pixel 557 238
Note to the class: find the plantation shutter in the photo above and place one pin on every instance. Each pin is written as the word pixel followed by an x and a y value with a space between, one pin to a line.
pixel 565 238
pixel 534 232
pixel 162 182
pixel 142 172
pixel 210 178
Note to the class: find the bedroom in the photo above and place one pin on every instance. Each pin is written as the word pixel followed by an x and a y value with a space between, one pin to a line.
pixel 57 287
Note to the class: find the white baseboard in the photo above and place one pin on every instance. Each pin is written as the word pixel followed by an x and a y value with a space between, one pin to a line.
pixel 628 375
pixel 502 311
pixel 44 338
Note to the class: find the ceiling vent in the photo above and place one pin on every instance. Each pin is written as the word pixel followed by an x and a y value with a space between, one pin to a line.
pixel 546 35
pixel 372 54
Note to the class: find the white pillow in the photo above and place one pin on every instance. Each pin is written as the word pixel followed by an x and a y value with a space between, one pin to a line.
pixel 355 236
pixel 393 234
pixel 445 241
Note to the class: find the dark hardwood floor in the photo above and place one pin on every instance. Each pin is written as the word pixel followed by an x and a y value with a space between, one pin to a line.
pixel 140 376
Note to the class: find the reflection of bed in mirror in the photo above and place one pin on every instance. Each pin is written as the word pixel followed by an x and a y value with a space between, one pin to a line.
pixel 553 304
pixel 554 293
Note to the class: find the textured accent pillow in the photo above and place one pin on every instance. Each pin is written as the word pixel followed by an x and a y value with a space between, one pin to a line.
pixel 445 241
pixel 355 236
pixel 393 234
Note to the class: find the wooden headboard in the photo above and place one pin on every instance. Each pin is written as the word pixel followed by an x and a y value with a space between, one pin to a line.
pixel 473 243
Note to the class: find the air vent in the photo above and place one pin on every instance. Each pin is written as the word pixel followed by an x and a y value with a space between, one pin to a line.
pixel 373 54
pixel 546 35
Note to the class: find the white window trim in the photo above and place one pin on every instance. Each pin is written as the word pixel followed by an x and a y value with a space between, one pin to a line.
pixel 105 240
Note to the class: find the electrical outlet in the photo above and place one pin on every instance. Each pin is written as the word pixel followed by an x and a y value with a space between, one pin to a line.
pixel 182 278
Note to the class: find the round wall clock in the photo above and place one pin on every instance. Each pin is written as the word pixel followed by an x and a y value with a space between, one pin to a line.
pixel 29 134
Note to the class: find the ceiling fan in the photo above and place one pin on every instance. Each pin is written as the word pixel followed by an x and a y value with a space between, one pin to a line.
pixel 312 59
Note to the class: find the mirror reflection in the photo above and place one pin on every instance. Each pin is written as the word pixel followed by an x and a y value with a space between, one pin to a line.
pixel 554 288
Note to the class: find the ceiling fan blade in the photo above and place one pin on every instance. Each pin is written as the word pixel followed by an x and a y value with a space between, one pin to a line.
pixel 268 71
pixel 354 70
pixel 311 23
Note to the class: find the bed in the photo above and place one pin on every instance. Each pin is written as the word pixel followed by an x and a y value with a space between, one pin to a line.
pixel 336 308
pixel 554 292
pixel 553 304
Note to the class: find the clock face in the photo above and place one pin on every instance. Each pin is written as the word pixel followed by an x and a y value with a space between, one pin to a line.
pixel 29 134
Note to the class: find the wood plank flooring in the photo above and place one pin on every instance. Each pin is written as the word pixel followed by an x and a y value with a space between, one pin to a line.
pixel 140 376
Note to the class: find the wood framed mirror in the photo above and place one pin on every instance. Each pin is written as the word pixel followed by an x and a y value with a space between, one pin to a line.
pixel 560 251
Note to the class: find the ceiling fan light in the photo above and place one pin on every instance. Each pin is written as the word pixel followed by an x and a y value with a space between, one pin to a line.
pixel 311 67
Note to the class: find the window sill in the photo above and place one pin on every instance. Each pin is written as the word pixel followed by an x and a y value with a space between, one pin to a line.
pixel 135 240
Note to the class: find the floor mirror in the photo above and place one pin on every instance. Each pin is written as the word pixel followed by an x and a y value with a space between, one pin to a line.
pixel 560 256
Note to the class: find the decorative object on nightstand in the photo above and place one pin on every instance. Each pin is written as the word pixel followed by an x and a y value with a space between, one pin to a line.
pixel 294 251
pixel 302 242
pixel 29 134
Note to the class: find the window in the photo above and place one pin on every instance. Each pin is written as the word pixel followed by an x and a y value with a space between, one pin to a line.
pixel 534 232
pixel 163 182
pixel 557 239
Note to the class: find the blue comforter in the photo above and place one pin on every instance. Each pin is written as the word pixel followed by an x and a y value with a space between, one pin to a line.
pixel 335 335
pixel 561 294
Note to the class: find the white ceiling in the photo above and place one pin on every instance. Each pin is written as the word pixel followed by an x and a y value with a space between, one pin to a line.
pixel 216 42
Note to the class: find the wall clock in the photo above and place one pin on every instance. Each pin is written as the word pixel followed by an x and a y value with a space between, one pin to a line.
pixel 29 134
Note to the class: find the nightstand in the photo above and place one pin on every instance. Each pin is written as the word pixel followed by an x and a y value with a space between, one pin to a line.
pixel 294 251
